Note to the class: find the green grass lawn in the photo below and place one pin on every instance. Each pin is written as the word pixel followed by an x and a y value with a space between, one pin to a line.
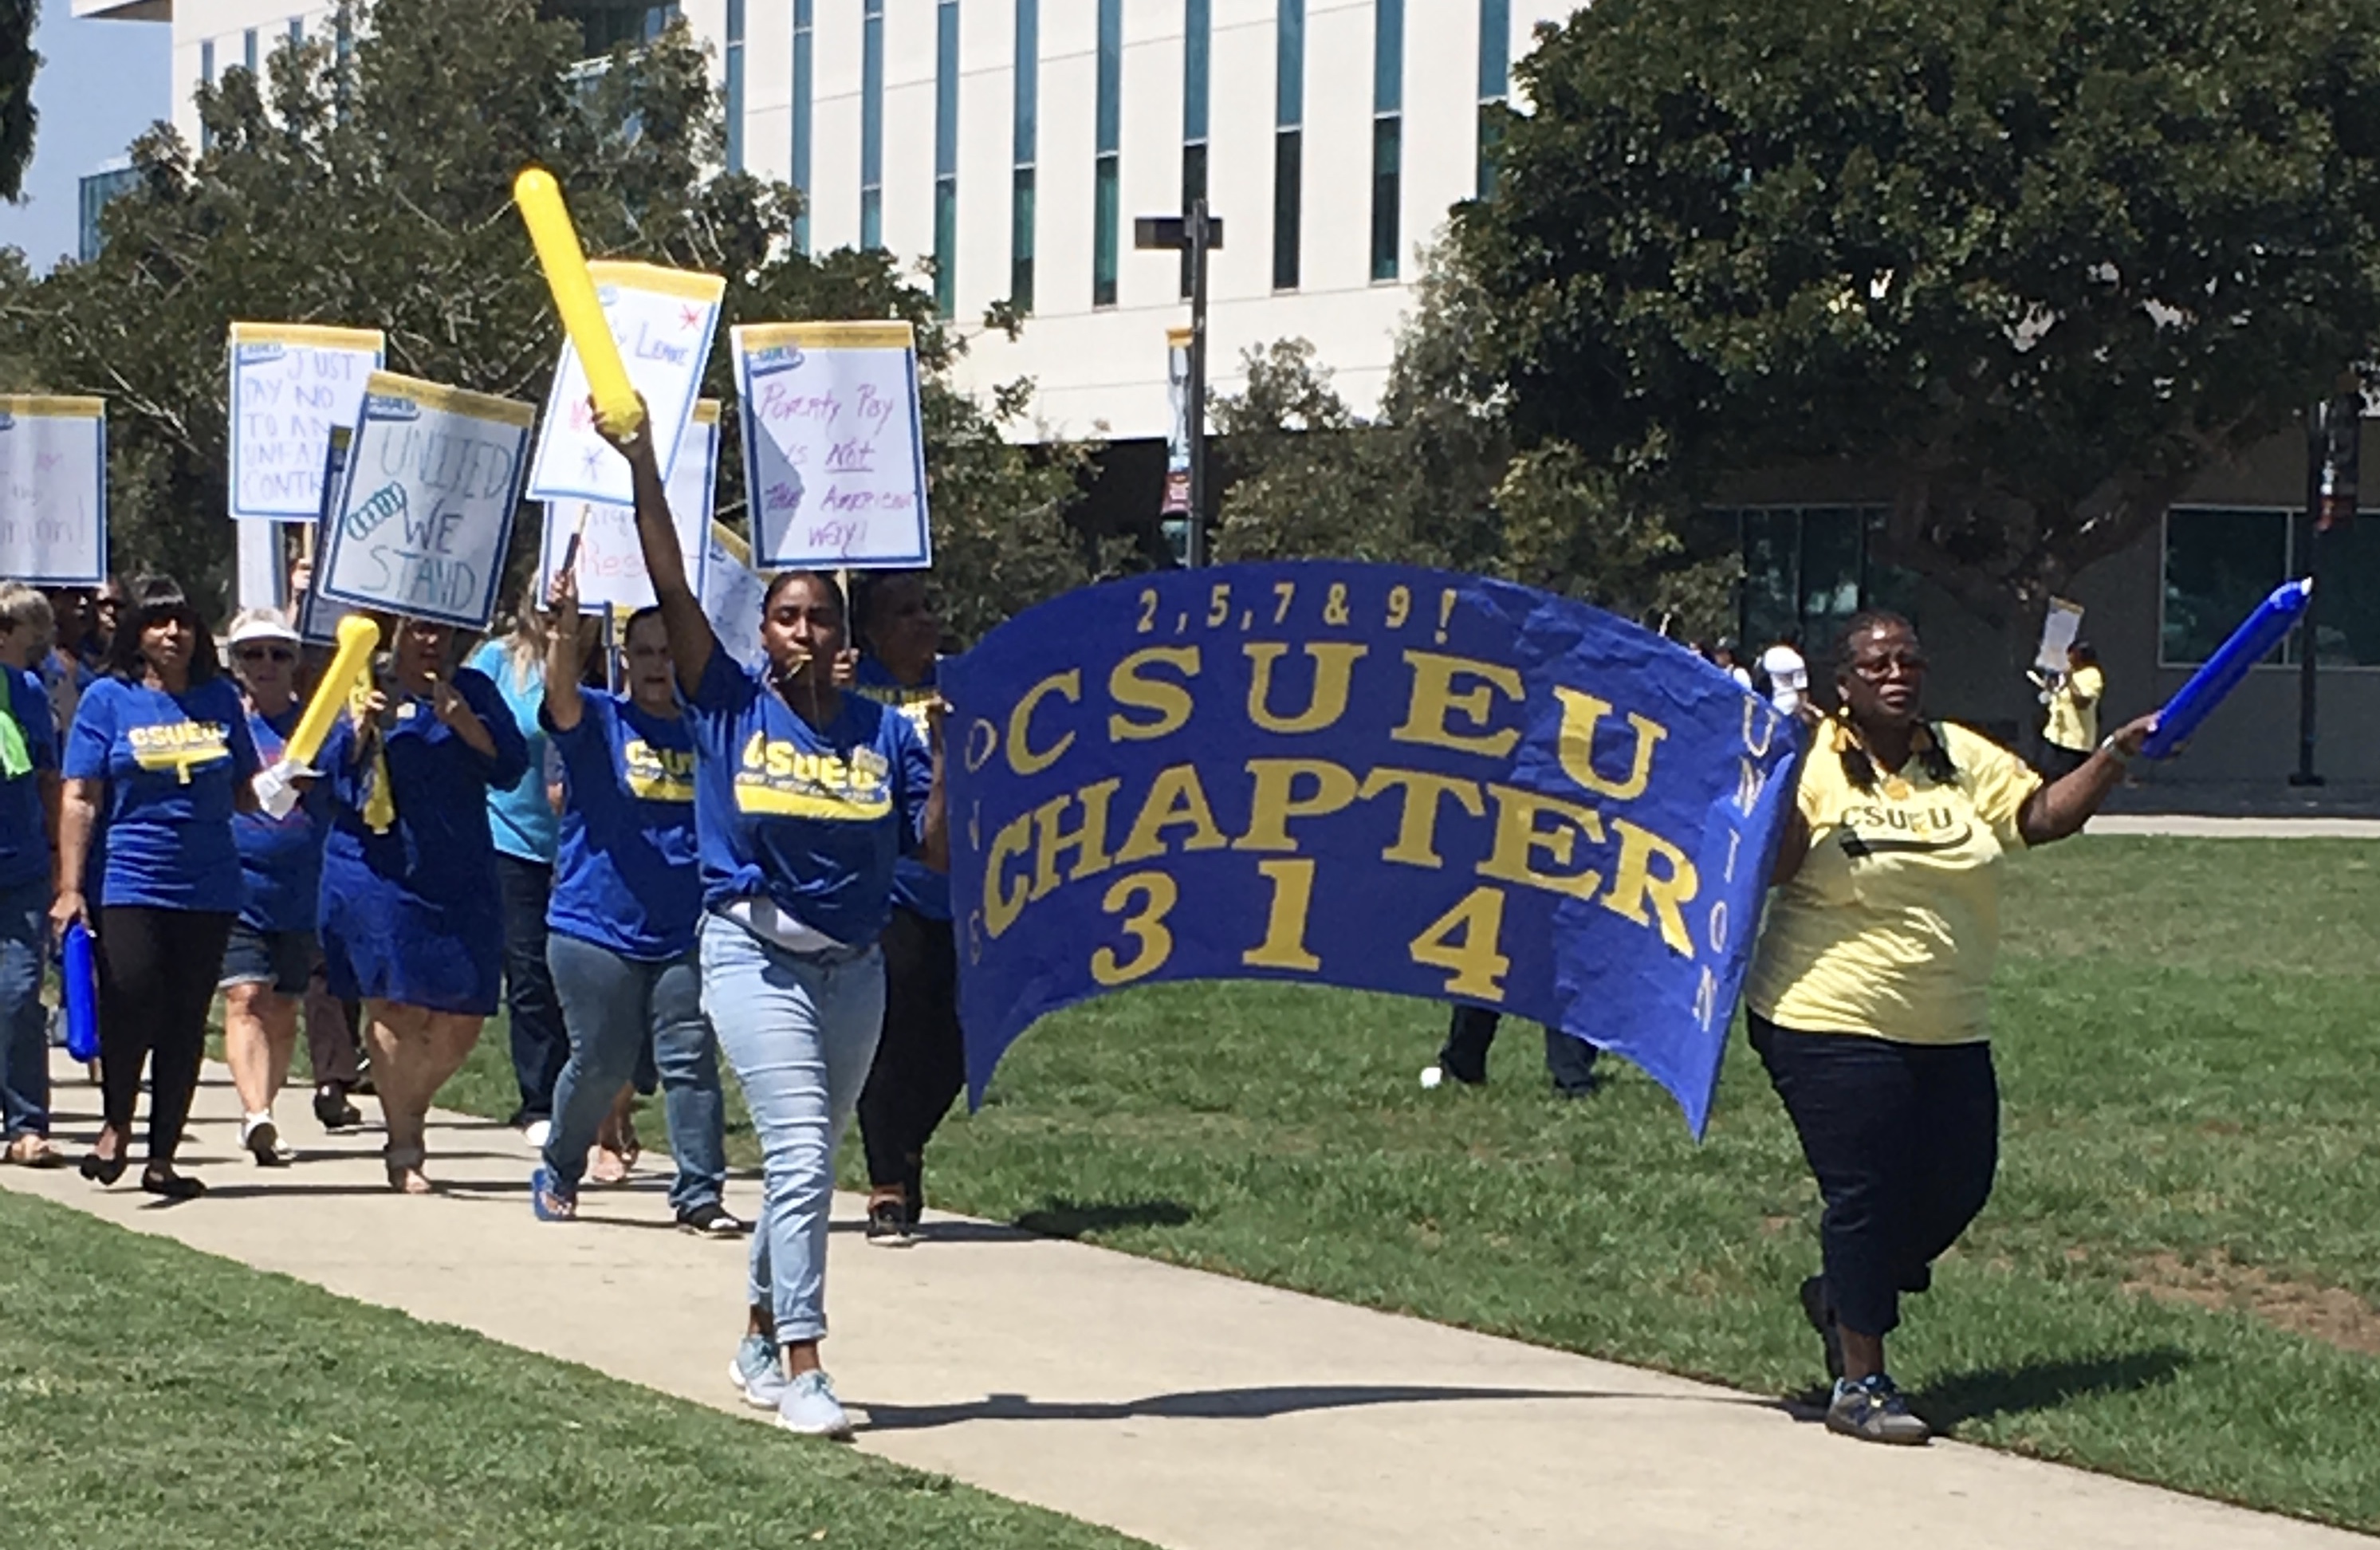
pixel 2179 1279
pixel 156 1399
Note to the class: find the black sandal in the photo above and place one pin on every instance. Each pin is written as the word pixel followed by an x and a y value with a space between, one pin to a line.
pixel 159 1179
pixel 102 1170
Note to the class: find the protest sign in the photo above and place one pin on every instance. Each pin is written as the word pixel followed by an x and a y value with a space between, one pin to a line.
pixel 290 383
pixel 732 596
pixel 834 461
pixel 317 617
pixel 1370 776
pixel 426 505
pixel 53 491
pixel 663 320
pixel 611 558
pixel 2060 627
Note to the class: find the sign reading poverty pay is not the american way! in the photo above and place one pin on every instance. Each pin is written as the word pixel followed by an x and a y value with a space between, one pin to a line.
pixel 291 385
pixel 834 454
pixel 1370 776
pixel 426 504
pixel 611 558
pixel 663 320
pixel 53 491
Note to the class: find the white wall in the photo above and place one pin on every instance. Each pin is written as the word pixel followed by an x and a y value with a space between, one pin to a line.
pixel 1098 372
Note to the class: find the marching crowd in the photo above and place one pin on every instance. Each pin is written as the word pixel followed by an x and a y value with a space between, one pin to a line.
pixel 718 858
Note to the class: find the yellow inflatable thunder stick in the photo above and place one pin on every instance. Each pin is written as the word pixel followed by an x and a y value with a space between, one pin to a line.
pixel 574 297
pixel 358 638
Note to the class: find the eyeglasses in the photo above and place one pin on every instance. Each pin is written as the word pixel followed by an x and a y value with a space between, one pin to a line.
pixel 1912 663
pixel 267 654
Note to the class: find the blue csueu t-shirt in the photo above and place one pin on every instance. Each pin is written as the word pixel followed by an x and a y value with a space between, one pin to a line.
pixel 24 827
pixel 281 859
pixel 173 764
pixel 520 815
pixel 439 849
pixel 810 820
pixel 627 874
pixel 916 886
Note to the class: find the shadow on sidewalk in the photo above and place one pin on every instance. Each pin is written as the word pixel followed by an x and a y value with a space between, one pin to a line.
pixel 1067 1219
pixel 1982 1393
pixel 1240 1404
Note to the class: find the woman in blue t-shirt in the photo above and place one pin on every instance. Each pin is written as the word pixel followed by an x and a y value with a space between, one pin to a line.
pixel 408 916
pixel 620 939
pixel 272 953
pixel 160 744
pixel 805 796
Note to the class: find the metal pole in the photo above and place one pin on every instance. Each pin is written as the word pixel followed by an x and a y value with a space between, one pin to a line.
pixel 1194 241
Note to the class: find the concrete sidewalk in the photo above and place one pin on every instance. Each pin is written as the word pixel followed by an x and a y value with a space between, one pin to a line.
pixel 1187 1409
pixel 2183 826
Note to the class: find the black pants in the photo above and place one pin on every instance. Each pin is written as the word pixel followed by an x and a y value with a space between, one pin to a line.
pixel 2056 763
pixel 1904 1139
pixel 540 1044
pixel 920 1061
pixel 157 974
pixel 1570 1062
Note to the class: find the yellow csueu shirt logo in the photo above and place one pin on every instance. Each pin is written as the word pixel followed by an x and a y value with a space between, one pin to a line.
pixel 658 774
pixel 180 746
pixel 781 780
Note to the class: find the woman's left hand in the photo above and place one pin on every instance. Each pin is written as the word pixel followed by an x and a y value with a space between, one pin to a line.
pixel 2131 734
pixel 452 708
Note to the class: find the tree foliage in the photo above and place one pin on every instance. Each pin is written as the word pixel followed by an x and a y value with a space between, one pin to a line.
pixel 1437 479
pixel 372 188
pixel 2040 263
pixel 18 61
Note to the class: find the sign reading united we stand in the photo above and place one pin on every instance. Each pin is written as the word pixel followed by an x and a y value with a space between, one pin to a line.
pixel 291 384
pixel 834 459
pixel 53 491
pixel 663 320
pixel 611 563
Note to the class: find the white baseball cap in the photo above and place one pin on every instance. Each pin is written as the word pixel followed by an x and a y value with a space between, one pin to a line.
pixel 261 623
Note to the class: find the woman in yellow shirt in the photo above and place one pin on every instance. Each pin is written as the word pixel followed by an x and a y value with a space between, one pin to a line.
pixel 1868 994
pixel 2071 731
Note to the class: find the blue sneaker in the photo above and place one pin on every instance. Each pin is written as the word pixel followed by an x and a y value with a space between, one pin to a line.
pixel 757 1373
pixel 548 1199
pixel 1872 1411
pixel 809 1408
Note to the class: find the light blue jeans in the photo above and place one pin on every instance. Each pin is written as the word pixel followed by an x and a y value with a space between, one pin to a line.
pixel 24 1026
pixel 800 1030
pixel 614 1008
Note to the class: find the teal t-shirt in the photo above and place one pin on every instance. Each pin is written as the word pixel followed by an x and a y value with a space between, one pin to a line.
pixel 521 817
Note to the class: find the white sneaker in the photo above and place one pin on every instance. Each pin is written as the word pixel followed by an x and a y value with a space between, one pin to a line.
pixel 810 1409
pixel 535 1133
pixel 261 1139
pixel 1430 1077
pixel 756 1372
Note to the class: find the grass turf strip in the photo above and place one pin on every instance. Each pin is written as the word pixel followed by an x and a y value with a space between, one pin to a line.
pixel 152 1397
pixel 2185 1031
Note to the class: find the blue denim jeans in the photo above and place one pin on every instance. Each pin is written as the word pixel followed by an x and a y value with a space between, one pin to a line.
pixel 800 1030
pixel 24 1026
pixel 615 1009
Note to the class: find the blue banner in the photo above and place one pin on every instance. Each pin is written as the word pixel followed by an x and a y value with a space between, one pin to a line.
pixel 1371 776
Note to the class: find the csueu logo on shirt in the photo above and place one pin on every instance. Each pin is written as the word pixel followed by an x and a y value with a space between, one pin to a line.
pixel 657 774
pixel 780 778
pixel 180 746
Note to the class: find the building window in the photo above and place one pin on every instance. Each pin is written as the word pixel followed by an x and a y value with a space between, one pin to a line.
pixel 248 46
pixel 1198 43
pixel 1288 139
pixel 804 92
pixel 95 191
pixel 1388 133
pixel 1105 171
pixel 871 125
pixel 2221 562
pixel 297 32
pixel 342 50
pixel 207 75
pixel 1495 84
pixel 1808 569
pixel 1023 151
pixel 735 53
pixel 946 156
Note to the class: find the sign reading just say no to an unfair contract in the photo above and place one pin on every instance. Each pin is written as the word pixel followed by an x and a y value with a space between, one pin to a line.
pixel 426 502
pixel 53 491
pixel 834 461
pixel 1368 776
pixel 291 384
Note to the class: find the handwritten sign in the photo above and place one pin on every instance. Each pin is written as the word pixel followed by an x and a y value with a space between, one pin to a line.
pixel 664 319
pixel 290 383
pixel 833 458
pixel 732 596
pixel 426 505
pixel 53 491
pixel 611 558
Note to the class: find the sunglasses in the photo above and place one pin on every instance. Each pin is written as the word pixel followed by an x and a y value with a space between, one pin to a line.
pixel 266 654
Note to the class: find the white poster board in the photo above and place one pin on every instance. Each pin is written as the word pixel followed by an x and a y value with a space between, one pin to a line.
pixel 834 459
pixel 53 491
pixel 611 558
pixel 426 507
pixel 317 617
pixel 2060 627
pixel 290 383
pixel 663 320
pixel 732 596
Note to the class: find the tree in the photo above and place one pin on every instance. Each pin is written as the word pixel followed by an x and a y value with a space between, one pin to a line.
pixel 18 18
pixel 1437 479
pixel 2039 265
pixel 373 188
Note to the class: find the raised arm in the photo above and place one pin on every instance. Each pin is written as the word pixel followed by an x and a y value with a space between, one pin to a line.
pixel 562 705
pixel 691 639
pixel 2061 808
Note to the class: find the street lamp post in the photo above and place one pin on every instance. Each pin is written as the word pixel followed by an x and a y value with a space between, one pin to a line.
pixel 1195 233
pixel 2334 438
